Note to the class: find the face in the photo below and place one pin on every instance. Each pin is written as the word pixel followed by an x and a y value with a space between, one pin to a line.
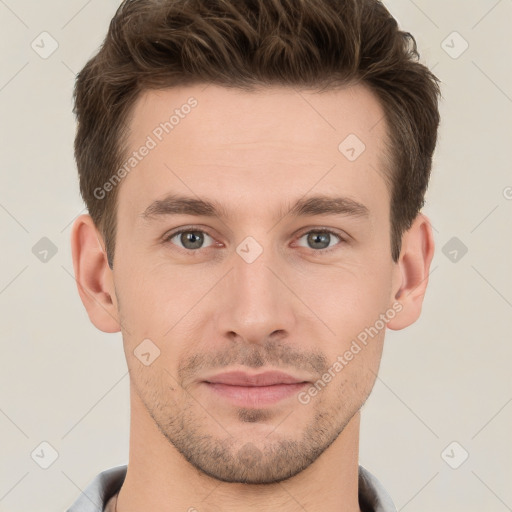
pixel 251 282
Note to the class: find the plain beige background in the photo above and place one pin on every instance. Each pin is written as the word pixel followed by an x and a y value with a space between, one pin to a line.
pixel 446 379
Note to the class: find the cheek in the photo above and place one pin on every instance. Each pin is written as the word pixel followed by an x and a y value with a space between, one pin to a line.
pixel 153 305
pixel 146 297
pixel 347 299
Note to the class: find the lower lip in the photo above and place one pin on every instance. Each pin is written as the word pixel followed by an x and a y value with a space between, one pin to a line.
pixel 255 396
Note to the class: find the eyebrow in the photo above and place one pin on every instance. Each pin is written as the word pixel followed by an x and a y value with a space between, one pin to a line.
pixel 174 204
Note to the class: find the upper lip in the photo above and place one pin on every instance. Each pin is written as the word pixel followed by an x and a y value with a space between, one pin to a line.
pixel 269 378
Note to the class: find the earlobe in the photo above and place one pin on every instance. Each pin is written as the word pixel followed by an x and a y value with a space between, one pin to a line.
pixel 93 275
pixel 413 267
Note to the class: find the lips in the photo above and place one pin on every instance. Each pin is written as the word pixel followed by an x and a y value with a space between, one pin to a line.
pixel 270 378
pixel 254 391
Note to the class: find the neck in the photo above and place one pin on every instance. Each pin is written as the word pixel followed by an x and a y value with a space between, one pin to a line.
pixel 160 479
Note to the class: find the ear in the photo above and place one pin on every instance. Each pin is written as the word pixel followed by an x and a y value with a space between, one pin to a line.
pixel 93 276
pixel 412 270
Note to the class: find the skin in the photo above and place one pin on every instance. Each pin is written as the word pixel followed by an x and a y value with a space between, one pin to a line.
pixel 291 309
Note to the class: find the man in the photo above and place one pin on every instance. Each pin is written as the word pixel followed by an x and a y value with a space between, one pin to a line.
pixel 254 172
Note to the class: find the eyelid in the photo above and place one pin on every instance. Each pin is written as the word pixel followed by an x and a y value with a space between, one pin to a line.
pixel 324 229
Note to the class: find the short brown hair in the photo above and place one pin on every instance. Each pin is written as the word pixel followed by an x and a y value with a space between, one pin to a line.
pixel 320 44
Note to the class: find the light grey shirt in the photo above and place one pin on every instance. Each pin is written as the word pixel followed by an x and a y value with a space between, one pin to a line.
pixel 372 495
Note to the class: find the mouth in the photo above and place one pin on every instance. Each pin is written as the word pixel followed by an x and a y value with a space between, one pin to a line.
pixel 254 391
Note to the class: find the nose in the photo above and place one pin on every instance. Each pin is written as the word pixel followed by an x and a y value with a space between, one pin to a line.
pixel 255 301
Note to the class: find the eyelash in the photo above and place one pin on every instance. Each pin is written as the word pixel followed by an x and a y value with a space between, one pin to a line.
pixel 189 229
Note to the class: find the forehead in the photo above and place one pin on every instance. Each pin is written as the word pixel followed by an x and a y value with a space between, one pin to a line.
pixel 263 115
pixel 245 146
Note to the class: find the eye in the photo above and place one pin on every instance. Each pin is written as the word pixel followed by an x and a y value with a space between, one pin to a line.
pixel 190 238
pixel 320 240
